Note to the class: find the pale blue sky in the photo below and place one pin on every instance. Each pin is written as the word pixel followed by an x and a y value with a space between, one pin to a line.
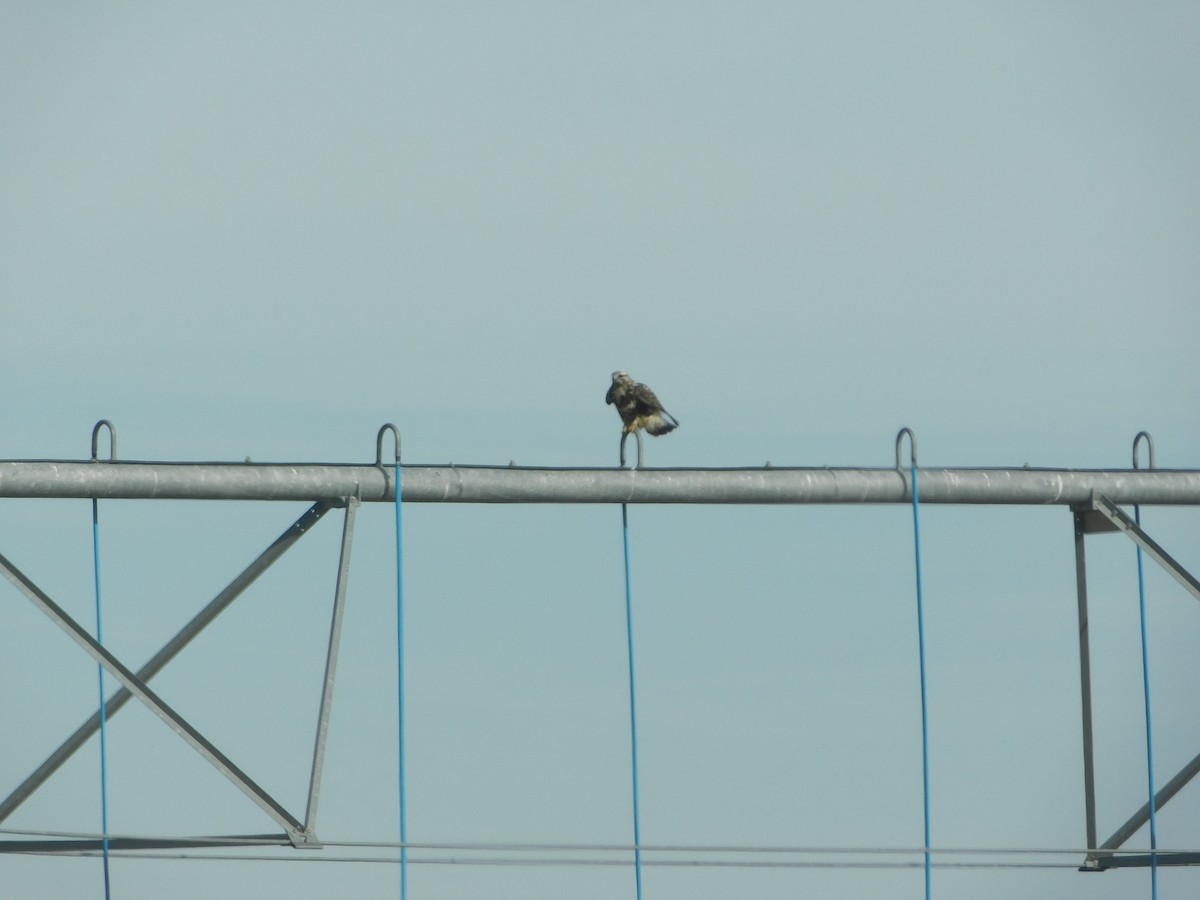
pixel 263 230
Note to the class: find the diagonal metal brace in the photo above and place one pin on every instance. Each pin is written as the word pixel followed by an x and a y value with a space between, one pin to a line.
pixel 1142 816
pixel 1124 523
pixel 138 688
pixel 168 652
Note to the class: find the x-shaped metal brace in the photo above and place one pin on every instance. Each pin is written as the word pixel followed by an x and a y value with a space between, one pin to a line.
pixel 134 684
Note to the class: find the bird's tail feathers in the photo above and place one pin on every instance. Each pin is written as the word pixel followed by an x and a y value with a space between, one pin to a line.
pixel 661 422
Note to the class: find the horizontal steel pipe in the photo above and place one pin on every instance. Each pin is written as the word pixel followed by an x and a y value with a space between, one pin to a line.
pixel 513 484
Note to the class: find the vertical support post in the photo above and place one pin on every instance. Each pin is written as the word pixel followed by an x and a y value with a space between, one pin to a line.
pixel 1085 683
pixel 335 638
pixel 633 734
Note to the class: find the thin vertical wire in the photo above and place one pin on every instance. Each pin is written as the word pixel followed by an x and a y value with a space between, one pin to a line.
pixel 103 710
pixel 633 740
pixel 400 686
pixel 1137 517
pixel 916 505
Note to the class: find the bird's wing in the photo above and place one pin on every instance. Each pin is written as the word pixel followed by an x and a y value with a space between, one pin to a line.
pixel 608 398
pixel 646 401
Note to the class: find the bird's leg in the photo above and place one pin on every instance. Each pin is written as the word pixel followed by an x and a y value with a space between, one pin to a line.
pixel 624 435
pixel 638 435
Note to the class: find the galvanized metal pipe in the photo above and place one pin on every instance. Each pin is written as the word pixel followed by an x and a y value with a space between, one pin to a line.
pixel 513 484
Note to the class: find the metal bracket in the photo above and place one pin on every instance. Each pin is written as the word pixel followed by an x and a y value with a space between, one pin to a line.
pixel 1124 523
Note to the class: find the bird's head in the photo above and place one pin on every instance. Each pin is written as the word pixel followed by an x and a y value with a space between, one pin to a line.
pixel 619 376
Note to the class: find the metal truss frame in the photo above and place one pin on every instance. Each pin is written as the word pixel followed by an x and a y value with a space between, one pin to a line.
pixel 1102 516
pixel 296 832
pixel 1091 495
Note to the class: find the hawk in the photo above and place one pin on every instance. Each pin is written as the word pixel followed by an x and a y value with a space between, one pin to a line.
pixel 638 407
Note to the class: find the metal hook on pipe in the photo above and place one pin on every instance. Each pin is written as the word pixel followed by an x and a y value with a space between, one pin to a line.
pixel 912 445
pixel 912 441
pixel 395 461
pixel 1149 443
pixel 112 440
pixel 638 436
pixel 379 444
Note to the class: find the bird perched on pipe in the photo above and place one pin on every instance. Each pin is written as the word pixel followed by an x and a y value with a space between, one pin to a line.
pixel 638 407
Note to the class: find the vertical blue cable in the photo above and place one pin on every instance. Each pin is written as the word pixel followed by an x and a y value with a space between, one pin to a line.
pixel 103 710
pixel 921 644
pixel 637 830
pixel 1137 516
pixel 400 682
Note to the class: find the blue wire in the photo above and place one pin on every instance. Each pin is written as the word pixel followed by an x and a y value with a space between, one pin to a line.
pixel 103 710
pixel 400 688
pixel 1137 516
pixel 924 699
pixel 637 830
